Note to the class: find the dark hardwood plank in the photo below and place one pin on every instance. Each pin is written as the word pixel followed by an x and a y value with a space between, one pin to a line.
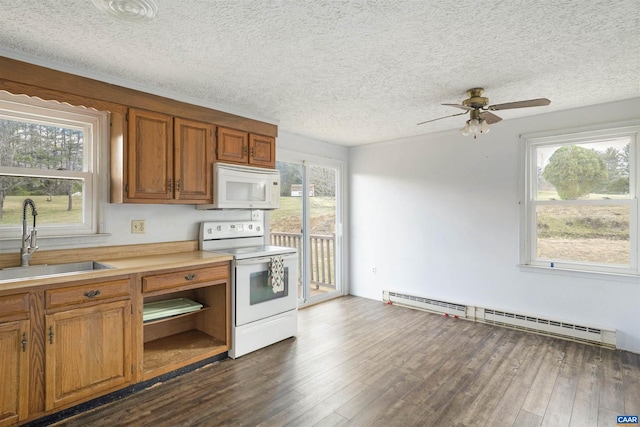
pixel 358 362
pixel 558 411
pixel 527 419
pixel 585 406
pixel 527 366
pixel 612 389
pixel 542 386
pixel 631 382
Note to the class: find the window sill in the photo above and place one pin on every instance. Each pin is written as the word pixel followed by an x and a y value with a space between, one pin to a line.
pixel 602 275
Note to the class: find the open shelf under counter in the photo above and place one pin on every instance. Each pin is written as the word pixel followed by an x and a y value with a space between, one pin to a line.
pixel 171 352
pixel 168 309
pixel 175 316
pixel 185 323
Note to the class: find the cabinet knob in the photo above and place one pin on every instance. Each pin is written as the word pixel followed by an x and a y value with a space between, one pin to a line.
pixel 190 276
pixel 92 294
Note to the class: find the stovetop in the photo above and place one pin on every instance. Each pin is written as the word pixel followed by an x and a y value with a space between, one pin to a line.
pixel 257 251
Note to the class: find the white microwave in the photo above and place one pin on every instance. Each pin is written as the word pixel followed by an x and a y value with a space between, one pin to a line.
pixel 244 187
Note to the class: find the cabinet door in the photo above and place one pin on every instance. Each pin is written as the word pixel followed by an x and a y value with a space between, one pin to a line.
pixel 14 372
pixel 150 156
pixel 232 146
pixel 262 151
pixel 87 352
pixel 194 155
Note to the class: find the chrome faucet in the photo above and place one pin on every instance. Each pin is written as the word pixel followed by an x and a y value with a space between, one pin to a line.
pixel 28 239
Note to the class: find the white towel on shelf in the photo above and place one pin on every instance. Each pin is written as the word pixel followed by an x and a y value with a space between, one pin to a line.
pixel 276 273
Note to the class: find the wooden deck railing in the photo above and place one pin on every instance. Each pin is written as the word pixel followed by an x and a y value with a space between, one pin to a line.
pixel 322 255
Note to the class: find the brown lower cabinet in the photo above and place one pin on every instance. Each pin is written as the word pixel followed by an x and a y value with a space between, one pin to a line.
pixel 14 372
pixel 87 352
pixel 62 345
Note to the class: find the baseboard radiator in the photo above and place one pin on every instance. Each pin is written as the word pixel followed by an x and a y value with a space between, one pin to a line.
pixel 525 322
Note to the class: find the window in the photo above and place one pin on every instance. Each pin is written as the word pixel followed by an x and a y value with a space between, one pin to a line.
pixel 49 152
pixel 581 201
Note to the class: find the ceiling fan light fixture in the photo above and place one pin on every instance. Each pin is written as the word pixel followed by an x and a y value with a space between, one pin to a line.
pixel 475 127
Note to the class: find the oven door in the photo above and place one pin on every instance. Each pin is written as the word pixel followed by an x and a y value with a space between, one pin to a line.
pixel 255 297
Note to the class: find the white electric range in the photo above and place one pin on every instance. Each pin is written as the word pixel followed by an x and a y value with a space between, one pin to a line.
pixel 264 300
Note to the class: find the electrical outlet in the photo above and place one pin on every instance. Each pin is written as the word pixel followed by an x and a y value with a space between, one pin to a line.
pixel 138 226
pixel 256 215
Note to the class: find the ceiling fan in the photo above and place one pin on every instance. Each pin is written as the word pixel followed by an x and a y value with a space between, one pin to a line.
pixel 480 116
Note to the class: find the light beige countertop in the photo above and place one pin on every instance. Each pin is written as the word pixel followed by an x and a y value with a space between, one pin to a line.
pixel 123 266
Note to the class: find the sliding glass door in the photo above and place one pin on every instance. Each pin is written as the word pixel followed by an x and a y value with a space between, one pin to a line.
pixel 309 220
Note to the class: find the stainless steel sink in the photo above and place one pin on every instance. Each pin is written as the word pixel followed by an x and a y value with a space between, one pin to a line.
pixel 35 271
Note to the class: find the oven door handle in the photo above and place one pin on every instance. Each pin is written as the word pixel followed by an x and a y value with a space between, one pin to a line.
pixel 251 261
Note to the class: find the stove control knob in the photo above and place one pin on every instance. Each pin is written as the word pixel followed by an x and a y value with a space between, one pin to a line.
pixel 250 227
pixel 257 228
pixel 219 228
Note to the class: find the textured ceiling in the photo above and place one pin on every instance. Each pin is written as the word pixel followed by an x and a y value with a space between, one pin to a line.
pixel 347 72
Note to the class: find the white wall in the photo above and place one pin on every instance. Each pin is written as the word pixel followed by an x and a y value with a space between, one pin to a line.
pixel 438 216
pixel 316 148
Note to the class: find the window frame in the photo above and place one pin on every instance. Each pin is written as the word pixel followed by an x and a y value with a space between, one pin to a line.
pixel 528 188
pixel 95 125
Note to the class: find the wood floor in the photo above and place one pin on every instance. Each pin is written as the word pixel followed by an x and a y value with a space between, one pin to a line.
pixel 358 362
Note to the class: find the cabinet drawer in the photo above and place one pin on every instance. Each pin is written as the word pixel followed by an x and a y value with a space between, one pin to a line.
pixel 14 304
pixel 87 293
pixel 184 278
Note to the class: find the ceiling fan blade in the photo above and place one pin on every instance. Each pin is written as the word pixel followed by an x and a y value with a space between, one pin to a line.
pixel 490 117
pixel 464 107
pixel 440 118
pixel 539 102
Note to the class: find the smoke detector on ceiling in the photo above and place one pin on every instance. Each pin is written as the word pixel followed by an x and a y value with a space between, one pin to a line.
pixel 129 10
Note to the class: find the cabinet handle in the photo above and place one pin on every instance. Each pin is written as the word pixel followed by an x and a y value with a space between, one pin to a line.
pixel 50 334
pixel 170 183
pixel 92 294
pixel 253 151
pixel 190 276
pixel 244 150
pixel 178 186
pixel 24 342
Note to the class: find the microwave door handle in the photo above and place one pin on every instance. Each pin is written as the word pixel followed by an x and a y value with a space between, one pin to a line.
pixel 251 261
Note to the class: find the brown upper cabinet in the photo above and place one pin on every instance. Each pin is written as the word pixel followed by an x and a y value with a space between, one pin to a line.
pixel 170 160
pixel 262 151
pixel 246 148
